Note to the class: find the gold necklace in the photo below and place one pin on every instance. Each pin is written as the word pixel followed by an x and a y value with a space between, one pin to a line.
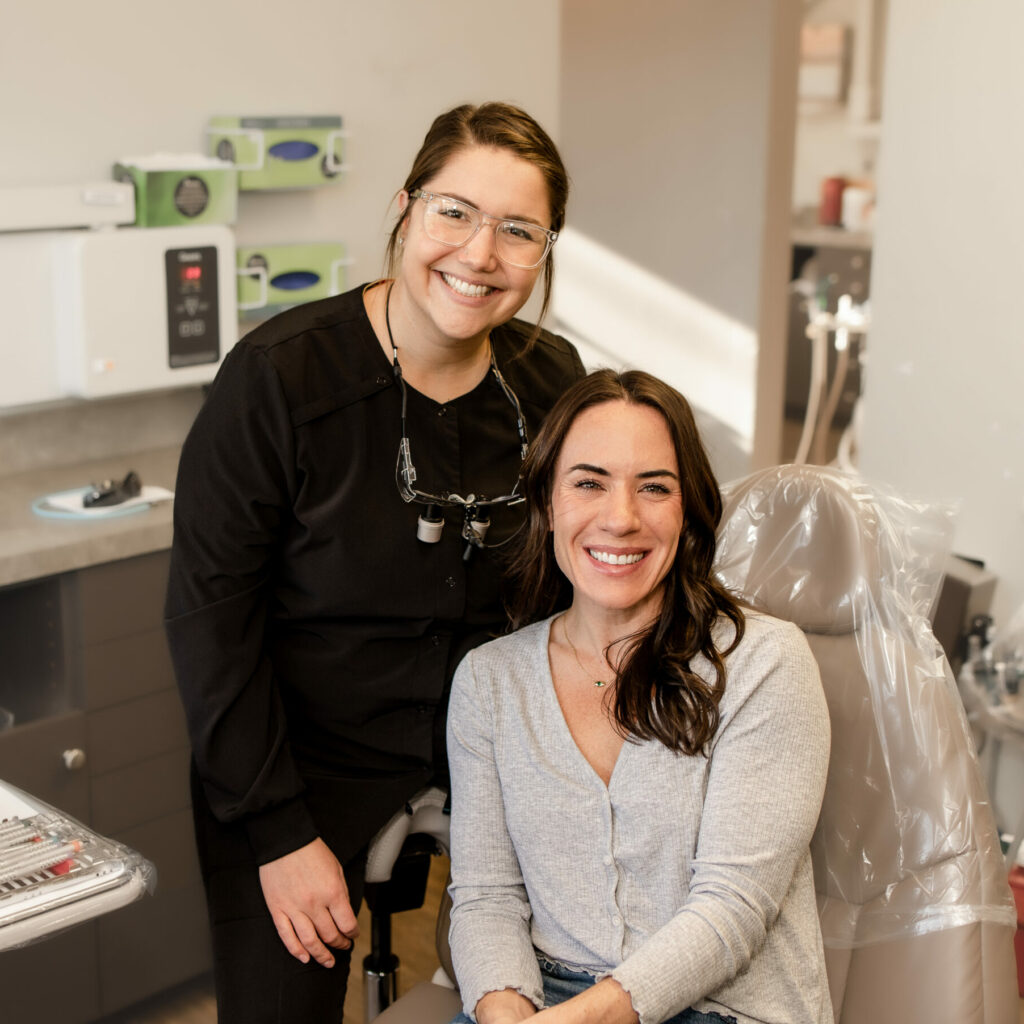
pixel 576 654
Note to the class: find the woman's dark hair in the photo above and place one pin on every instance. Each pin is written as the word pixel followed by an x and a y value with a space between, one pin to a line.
pixel 490 124
pixel 657 695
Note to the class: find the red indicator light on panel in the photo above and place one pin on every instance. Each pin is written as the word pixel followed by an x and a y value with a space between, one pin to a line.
pixel 191 273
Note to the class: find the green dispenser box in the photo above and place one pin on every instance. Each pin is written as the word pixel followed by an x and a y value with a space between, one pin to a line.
pixel 279 152
pixel 176 189
pixel 275 277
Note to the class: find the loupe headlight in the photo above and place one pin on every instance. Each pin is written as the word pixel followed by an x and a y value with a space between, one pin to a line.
pixel 429 525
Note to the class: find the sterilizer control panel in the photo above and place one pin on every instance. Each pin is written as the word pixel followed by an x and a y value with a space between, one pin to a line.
pixel 193 307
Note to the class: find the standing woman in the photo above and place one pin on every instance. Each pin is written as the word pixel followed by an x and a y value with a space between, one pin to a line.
pixel 337 501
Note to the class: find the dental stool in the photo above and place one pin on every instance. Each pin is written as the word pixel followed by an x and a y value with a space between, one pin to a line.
pixel 915 908
pixel 397 866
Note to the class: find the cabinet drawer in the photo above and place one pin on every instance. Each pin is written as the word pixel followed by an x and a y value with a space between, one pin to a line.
pixel 126 667
pixel 53 980
pixel 32 758
pixel 158 942
pixel 122 598
pixel 140 793
pixel 136 731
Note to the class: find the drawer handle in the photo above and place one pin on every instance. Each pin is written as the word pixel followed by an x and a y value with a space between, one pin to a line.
pixel 74 759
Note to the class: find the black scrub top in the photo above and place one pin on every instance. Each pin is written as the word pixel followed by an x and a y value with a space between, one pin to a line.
pixel 313 635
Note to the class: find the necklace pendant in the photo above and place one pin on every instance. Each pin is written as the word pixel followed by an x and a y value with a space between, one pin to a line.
pixel 599 683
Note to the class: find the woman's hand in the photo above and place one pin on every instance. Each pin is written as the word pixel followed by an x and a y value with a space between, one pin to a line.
pixel 308 899
pixel 504 1007
pixel 607 1002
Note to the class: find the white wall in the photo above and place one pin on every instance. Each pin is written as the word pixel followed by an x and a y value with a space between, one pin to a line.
pixel 82 85
pixel 944 392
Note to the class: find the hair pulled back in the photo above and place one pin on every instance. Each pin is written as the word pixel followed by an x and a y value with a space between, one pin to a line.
pixel 503 126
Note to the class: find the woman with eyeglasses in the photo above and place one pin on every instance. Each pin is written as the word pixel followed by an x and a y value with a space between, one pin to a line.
pixel 339 501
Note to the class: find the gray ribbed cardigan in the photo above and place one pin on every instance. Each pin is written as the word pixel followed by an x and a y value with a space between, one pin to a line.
pixel 688 879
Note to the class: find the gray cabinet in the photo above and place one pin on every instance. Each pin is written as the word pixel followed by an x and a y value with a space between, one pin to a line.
pixel 84 667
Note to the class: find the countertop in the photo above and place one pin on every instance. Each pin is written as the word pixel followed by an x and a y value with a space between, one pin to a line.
pixel 831 238
pixel 805 230
pixel 32 546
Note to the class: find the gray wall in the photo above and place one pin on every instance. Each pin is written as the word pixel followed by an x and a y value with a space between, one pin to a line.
pixel 666 131
pixel 678 122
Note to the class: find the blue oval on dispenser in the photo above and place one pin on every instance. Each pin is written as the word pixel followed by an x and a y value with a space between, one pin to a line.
pixel 295 280
pixel 294 149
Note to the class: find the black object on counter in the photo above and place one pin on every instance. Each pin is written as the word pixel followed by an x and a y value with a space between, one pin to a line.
pixel 113 492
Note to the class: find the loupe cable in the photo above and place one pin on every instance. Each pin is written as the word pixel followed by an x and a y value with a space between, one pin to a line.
pixel 476 515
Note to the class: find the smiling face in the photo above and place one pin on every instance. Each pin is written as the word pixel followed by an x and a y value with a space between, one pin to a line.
pixel 462 292
pixel 616 509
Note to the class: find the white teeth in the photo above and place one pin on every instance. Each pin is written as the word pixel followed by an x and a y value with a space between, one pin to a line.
pixel 472 291
pixel 610 559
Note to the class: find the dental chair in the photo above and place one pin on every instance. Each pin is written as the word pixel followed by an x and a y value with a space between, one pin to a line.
pixel 914 902
pixel 915 907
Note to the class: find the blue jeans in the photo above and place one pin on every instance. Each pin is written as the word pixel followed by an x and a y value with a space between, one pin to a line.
pixel 561 984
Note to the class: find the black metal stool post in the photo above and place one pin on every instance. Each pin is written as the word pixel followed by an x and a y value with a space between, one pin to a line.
pixel 397 867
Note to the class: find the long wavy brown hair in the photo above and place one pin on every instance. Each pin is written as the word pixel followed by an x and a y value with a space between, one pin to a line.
pixel 657 694
pixel 503 126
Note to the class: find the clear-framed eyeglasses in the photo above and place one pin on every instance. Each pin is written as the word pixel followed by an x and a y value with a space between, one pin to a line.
pixel 519 243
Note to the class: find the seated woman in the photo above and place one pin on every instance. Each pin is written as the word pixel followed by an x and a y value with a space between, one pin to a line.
pixel 635 781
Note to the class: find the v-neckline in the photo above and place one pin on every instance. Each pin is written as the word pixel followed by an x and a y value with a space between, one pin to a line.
pixel 568 738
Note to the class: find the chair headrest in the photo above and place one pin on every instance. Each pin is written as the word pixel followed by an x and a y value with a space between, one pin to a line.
pixel 793 543
pixel 906 842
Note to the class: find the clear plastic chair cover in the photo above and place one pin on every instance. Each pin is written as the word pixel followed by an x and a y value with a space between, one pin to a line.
pixel 906 842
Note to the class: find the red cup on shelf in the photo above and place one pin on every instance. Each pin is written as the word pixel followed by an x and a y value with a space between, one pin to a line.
pixel 830 209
